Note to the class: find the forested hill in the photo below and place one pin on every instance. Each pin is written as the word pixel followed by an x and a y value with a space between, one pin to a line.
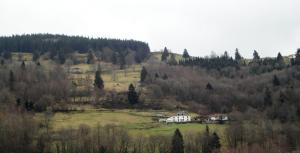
pixel 42 43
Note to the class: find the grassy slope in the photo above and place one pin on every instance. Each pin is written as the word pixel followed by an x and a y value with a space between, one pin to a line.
pixel 137 122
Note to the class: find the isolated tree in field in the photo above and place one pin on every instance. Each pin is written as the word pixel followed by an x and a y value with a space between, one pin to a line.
pixel 173 60
pixel 165 54
pixel 114 58
pixel 143 74
pixel 61 57
pixel 238 56
pixel 297 58
pixel 98 80
pixel 133 97
pixel 11 80
pixel 177 142
pixel 215 142
pixel 276 81
pixel 255 55
pixel 185 54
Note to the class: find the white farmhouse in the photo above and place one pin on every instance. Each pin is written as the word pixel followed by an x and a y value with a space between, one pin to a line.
pixel 181 117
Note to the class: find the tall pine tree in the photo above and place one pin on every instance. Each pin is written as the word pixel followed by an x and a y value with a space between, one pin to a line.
pixel 143 74
pixel 177 142
pixel 185 54
pixel 98 80
pixel 238 56
pixel 165 54
pixel 133 97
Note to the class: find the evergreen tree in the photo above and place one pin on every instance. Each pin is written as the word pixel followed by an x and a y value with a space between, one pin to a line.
pixel 114 58
pixel 280 61
pixel 255 55
pixel 177 143
pixel 122 61
pixel 226 55
pixel 185 54
pixel 215 142
pixel 267 98
pixel 98 80
pixel 61 57
pixel 297 58
pixel 143 74
pixel 276 81
pixel 156 75
pixel 11 80
pixel 165 77
pixel 2 62
pixel 206 147
pixel 90 58
pixel 209 86
pixel 23 66
pixel 238 56
pixel 165 54
pixel 132 95
pixel 172 60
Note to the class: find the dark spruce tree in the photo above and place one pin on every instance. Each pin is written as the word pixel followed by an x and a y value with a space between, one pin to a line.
pixel 215 142
pixel 255 56
pixel 90 58
pixel 165 54
pixel 185 54
pixel 23 66
pixel 177 142
pixel 267 98
pixel 276 81
pixel 238 56
pixel 114 58
pixel 297 58
pixel 98 83
pixel 143 74
pixel 209 86
pixel 132 95
pixel 122 61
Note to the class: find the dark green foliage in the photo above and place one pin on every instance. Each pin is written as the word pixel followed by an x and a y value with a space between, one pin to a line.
pixel 114 58
pixel 255 56
pixel 276 81
pixel 185 54
pixel 206 147
pixel 297 59
pixel 98 80
pixel 215 142
pixel 210 63
pixel 209 86
pixel 143 74
pixel 238 56
pixel 61 57
pixel 69 44
pixel 122 61
pixel 103 149
pixel 132 95
pixel 165 54
pixel 90 58
pixel 165 77
pixel 6 54
pixel 23 66
pixel 2 62
pixel 267 98
pixel 177 142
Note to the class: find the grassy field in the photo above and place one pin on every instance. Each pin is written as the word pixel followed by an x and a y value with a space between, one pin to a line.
pixel 136 122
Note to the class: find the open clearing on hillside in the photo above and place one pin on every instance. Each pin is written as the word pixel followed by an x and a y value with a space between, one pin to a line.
pixel 136 122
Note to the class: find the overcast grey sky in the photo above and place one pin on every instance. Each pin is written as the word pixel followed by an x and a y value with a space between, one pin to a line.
pixel 201 26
